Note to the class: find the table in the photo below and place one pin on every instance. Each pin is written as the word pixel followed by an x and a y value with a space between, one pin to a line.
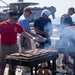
pixel 32 58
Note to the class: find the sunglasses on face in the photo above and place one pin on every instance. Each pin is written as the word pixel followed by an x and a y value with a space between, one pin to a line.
pixel 15 19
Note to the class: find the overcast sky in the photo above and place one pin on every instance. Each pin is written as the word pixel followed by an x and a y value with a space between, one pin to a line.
pixel 61 5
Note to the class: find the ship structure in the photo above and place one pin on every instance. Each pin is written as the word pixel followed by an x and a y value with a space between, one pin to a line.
pixel 20 5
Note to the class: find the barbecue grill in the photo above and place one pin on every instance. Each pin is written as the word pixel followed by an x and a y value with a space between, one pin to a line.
pixel 32 58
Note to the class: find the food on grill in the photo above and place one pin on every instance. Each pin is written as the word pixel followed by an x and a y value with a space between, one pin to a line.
pixel 32 54
pixel 20 54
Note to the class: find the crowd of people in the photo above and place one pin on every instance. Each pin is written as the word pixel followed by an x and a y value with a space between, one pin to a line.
pixel 14 25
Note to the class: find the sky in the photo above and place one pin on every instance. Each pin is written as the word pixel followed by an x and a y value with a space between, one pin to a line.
pixel 61 5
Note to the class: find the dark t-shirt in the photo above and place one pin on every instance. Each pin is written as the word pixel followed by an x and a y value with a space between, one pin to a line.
pixel 40 24
pixel 66 19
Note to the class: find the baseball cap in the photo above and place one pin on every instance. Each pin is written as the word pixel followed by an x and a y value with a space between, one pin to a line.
pixel 29 10
pixel 46 12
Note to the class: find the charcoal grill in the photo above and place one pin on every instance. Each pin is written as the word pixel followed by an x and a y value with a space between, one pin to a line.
pixel 32 58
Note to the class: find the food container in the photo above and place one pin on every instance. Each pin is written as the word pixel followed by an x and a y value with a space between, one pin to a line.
pixel 44 72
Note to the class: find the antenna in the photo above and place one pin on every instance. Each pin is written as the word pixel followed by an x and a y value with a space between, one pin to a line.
pixel 4 2
pixel 20 0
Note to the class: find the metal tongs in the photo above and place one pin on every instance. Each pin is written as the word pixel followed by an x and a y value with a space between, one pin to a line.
pixel 40 38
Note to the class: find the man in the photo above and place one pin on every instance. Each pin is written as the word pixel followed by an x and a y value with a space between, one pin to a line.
pixel 40 24
pixel 66 18
pixel 25 25
pixel 8 31
pixel 73 17
pixel 25 42
pixel 66 21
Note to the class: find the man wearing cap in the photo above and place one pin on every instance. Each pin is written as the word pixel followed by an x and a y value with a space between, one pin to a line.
pixel 25 25
pixel 39 25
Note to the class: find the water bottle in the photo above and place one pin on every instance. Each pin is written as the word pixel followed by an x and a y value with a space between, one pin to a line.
pixel 59 63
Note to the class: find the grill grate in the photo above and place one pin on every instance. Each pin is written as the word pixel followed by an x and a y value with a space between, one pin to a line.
pixel 32 54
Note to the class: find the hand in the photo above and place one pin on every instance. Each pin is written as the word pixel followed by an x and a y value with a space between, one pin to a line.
pixel 46 33
pixel 35 40
pixel 37 44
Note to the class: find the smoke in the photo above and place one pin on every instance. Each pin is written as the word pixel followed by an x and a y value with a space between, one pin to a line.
pixel 66 43
pixel 48 29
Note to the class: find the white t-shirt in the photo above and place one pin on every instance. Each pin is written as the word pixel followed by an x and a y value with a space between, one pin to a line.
pixel 73 18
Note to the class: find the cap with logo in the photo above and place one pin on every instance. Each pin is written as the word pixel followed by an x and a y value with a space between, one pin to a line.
pixel 46 12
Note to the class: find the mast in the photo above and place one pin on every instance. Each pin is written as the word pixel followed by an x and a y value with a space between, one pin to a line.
pixel 4 2
pixel 20 1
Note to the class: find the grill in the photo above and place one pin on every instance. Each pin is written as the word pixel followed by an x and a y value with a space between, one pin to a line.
pixel 32 54
pixel 32 58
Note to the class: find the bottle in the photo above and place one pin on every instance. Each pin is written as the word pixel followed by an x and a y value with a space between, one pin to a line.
pixel 59 63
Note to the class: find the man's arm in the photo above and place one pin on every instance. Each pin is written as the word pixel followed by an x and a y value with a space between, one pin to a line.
pixel 37 30
pixel 31 33
pixel 36 38
pixel 27 35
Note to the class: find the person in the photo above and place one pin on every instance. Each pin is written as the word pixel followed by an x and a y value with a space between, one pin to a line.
pixel 39 26
pixel 25 25
pixel 66 18
pixel 66 21
pixel 8 31
pixel 73 17
pixel 25 42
